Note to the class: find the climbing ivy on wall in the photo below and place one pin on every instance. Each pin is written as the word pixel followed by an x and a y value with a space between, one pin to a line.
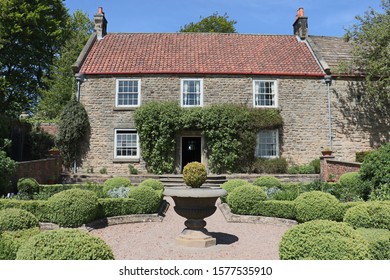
pixel 230 132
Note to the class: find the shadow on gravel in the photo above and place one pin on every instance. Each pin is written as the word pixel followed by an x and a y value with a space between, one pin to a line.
pixel 224 238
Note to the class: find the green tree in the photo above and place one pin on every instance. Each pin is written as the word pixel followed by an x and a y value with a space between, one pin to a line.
pixel 62 84
pixel 370 37
pixel 31 34
pixel 214 23
pixel 74 133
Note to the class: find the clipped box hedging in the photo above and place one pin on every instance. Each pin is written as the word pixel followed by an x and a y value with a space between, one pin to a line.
pixel 64 244
pixel 12 219
pixel 37 207
pixel 153 183
pixel 323 240
pixel 10 241
pixel 46 191
pixel 317 205
pixel 288 192
pixel 276 208
pixel 373 214
pixel 267 181
pixel 116 182
pixel 244 199
pixel 72 208
pixel 27 186
pixel 148 199
pixel 110 207
pixel 378 240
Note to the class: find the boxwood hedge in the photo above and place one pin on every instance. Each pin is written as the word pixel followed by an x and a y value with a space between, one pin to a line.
pixel 64 244
pixel 276 208
pixel 148 199
pixel 369 215
pixel 12 219
pixel 245 199
pixel 378 240
pixel 72 208
pixel 317 205
pixel 323 240
pixel 37 207
pixel 10 241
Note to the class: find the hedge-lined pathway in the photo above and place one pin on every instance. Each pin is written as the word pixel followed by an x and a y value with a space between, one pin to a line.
pixel 156 240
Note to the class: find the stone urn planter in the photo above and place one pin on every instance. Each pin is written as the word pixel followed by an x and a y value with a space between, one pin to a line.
pixel 195 204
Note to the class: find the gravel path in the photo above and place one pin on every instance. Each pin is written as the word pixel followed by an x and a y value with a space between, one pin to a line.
pixel 156 240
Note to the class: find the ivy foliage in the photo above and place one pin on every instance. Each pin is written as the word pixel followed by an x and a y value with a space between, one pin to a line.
pixel 230 131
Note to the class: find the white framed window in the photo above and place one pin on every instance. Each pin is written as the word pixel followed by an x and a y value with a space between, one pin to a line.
pixel 265 93
pixel 126 143
pixel 128 93
pixel 191 92
pixel 267 144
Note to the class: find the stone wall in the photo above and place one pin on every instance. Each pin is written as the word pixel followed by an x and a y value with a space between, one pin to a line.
pixel 50 128
pixel 302 102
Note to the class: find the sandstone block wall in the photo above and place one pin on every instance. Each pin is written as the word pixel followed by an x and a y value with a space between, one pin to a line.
pixel 302 102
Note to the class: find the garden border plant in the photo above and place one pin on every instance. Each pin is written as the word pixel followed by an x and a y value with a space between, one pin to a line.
pixel 230 131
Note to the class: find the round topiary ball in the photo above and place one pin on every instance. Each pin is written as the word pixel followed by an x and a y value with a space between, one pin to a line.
pixel 245 199
pixel 13 219
pixel 323 240
pixel 267 182
pixel 317 205
pixel 72 208
pixel 117 182
pixel 27 186
pixel 194 174
pixel 153 183
pixel 374 214
pixel 64 244
pixel 147 198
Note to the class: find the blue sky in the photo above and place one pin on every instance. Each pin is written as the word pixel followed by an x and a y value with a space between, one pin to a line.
pixel 326 17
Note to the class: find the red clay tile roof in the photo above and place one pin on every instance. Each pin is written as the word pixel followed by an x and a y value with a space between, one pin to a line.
pixel 201 53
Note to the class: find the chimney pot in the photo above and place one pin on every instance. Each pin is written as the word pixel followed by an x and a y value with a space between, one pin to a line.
pixel 301 24
pixel 100 24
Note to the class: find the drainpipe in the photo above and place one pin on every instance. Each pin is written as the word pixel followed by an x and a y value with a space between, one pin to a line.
pixel 328 82
pixel 79 79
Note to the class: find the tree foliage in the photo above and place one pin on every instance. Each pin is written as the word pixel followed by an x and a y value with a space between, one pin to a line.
pixel 62 84
pixel 214 23
pixel 370 37
pixel 74 133
pixel 31 34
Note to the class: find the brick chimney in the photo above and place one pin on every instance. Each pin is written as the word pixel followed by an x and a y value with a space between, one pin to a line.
pixel 100 24
pixel 300 25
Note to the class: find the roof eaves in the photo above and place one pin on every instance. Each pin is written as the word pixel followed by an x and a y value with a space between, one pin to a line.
pixel 82 56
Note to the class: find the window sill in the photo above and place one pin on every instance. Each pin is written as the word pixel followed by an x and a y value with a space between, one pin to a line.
pixel 125 108
pixel 126 160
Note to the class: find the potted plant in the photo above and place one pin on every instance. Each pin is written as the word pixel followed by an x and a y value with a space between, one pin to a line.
pixel 54 151
pixel 326 152
pixel 195 203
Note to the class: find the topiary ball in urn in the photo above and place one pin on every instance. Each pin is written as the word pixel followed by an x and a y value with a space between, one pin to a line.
pixel 194 174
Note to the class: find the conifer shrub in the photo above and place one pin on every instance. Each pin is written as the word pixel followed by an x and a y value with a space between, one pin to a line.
pixel 117 182
pixel 317 205
pixel 244 199
pixel 323 240
pixel 27 186
pixel 12 219
pixel 64 244
pixel 10 241
pixel 72 208
pixel 378 240
pixel 194 174
pixel 373 214
pixel 148 200
pixel 153 183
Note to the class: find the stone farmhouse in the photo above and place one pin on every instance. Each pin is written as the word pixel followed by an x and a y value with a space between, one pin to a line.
pixel 118 72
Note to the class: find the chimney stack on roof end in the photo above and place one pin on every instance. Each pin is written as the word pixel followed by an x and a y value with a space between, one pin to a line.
pixel 301 24
pixel 100 24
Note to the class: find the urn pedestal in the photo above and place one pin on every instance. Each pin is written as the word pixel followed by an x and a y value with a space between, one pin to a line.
pixel 195 204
